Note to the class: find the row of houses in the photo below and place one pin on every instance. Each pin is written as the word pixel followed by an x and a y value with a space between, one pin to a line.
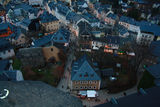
pixel 36 51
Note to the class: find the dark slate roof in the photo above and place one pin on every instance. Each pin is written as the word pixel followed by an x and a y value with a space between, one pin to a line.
pixel 46 17
pixel 128 20
pixel 12 74
pixel 92 1
pixel 83 69
pixel 155 48
pixel 16 31
pixel 5 45
pixel 148 27
pixel 4 26
pixel 113 39
pixel 36 94
pixel 144 25
pixel 1 8
pixel 154 70
pixel 62 9
pixel 27 8
pixel 52 5
pixel 73 17
pixel 107 72
pixel 45 40
pixel 102 7
pixel 84 28
pixel 90 17
pixel 61 36
pixel 106 6
pixel 112 16
pixel 80 3
pixel 97 5
pixel 122 30
pixel 3 76
pixel 8 75
pixel 34 25
pixel 151 99
pixel 26 22
pixel 157 82
pixel 4 65
pixel 101 39
pixel 16 34
pixel 141 1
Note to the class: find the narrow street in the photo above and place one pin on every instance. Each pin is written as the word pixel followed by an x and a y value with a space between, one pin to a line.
pixel 65 81
pixel 105 97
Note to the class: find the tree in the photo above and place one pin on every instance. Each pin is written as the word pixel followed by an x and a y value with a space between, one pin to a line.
pixel 134 14
pixel 62 56
pixel 141 52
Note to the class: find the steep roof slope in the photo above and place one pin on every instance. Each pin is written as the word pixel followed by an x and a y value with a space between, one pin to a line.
pixel 36 94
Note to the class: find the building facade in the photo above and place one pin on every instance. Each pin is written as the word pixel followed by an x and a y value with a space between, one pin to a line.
pixel 84 76
pixel 49 22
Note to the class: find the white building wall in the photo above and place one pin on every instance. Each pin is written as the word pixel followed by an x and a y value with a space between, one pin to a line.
pixel 36 2
pixel 19 76
pixel 145 38
pixel 6 54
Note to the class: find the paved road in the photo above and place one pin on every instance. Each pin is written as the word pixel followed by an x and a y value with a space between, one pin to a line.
pixel 103 94
pixel 64 83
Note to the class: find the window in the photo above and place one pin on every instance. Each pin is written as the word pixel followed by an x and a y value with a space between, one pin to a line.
pixel 90 82
pixel 86 82
pixel 94 87
pixel 90 87
pixel 9 50
pixel 85 87
pixel 81 87
pixel 60 38
pixel 95 82
pixel 76 87
pixel 81 82
pixel 51 49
